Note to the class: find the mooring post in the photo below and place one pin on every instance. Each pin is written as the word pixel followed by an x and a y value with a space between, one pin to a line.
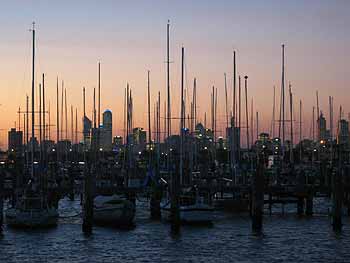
pixel 156 197
pixel 300 206
pixel 155 204
pixel 1 199
pixel 258 197
pixel 337 200
pixel 310 203
pixel 88 203
pixel 174 209
pixel 347 185
pixel 300 191
pixel 71 184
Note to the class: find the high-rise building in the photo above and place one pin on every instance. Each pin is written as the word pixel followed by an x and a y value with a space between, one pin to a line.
pixel 322 126
pixel 106 131
pixel 343 133
pixel 87 132
pixel 15 140
pixel 139 136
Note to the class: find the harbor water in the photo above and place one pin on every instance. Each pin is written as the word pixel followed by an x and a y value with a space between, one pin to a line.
pixel 285 238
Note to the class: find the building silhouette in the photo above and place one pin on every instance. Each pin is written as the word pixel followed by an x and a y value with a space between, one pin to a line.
pixel 343 132
pixel 15 140
pixel 106 131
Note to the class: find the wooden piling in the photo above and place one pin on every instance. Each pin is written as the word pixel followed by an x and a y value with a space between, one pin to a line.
pixel 174 208
pixel 300 206
pixel 1 200
pixel 71 185
pixel 258 197
pixel 88 203
pixel 337 200
pixel 156 197
pixel 309 205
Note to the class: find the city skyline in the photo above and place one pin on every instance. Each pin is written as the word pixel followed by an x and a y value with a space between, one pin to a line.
pixel 315 58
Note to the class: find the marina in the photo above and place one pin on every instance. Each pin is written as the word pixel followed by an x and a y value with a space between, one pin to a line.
pixel 185 172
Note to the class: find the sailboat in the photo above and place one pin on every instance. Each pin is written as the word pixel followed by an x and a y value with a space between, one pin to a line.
pixel 193 208
pixel 114 210
pixel 32 208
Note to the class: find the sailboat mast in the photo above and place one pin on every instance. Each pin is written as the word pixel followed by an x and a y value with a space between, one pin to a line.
pixel 94 113
pixel 71 124
pixel 234 88
pixel 158 126
pixel 246 108
pixel 291 122
pixel 57 113
pixel 257 125
pixel 182 119
pixel 149 109
pixel 195 103
pixel 215 114
pixel 84 117
pixel 252 122
pixel 212 110
pixel 76 125
pixel 313 123
pixel 33 94
pixel 273 113
pixel 239 116
pixel 61 131
pixel 300 129
pixel 239 101
pixel 99 105
pixel 226 106
pixel 44 113
pixel 40 129
pixel 27 120
pixel 282 107
pixel 84 102
pixel 65 111
pixel 318 117
pixel 168 84
pixel 49 124
pixel 124 116
pixel 330 117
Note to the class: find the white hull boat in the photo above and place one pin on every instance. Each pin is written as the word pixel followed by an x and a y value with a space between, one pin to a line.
pixel 113 210
pixel 192 209
pixel 31 212
pixel 192 214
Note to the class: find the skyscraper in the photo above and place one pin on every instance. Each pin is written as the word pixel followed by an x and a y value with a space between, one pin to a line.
pixel 15 139
pixel 343 133
pixel 106 131
pixel 322 125
pixel 86 131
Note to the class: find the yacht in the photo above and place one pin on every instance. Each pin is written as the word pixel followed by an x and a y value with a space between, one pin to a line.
pixel 193 208
pixel 113 210
pixel 31 210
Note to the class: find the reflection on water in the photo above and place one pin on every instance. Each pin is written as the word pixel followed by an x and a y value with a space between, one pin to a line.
pixel 285 238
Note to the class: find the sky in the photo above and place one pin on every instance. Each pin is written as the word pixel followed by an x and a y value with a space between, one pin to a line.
pixel 129 37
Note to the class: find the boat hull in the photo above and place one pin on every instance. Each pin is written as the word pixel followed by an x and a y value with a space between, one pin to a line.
pixel 192 214
pixel 31 218
pixel 115 215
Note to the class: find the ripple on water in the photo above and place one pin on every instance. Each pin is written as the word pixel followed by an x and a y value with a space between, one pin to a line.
pixel 285 238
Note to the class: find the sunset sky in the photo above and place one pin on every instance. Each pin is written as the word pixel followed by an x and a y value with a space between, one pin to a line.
pixel 129 38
